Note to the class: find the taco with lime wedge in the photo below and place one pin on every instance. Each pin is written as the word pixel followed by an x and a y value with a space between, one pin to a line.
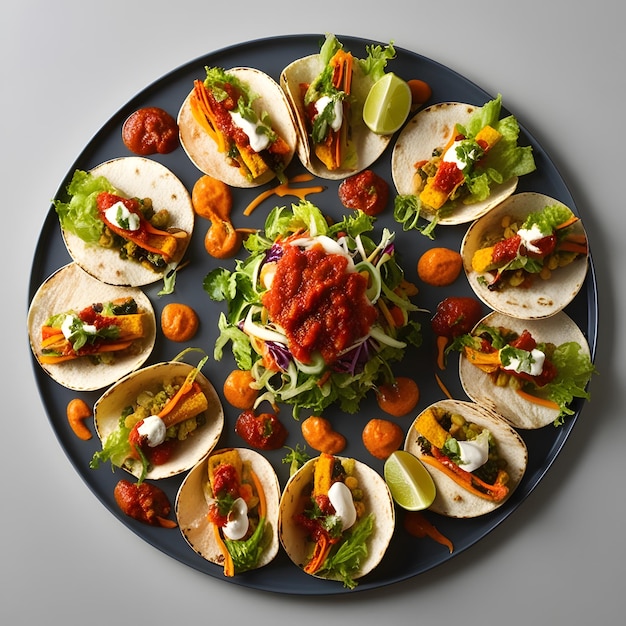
pixel 227 510
pixel 159 421
pixel 528 257
pixel 327 92
pixel 453 162
pixel 86 334
pixel 527 371
pixel 236 125
pixel 128 221
pixel 336 518
pixel 475 458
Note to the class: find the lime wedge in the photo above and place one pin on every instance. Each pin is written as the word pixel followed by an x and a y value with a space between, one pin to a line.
pixel 387 105
pixel 411 485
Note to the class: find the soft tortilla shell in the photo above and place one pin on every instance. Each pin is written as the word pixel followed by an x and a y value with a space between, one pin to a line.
pixel 451 499
pixel 368 145
pixel 429 129
pixel 203 151
pixel 71 288
pixel 544 297
pixel 520 413
pixel 108 409
pixel 192 508
pixel 141 178
pixel 378 501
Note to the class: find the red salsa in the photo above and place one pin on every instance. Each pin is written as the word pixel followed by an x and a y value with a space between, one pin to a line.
pixel 456 316
pixel 321 306
pixel 144 502
pixel 150 130
pixel 366 191
pixel 264 431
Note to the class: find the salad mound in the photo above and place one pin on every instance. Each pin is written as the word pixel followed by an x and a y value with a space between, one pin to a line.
pixel 317 311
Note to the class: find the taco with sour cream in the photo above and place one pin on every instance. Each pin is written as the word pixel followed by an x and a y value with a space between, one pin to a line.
pixel 327 92
pixel 236 125
pixel 527 371
pixel 127 221
pixel 227 510
pixel 528 257
pixel 336 518
pixel 454 162
pixel 86 334
pixel 475 458
pixel 159 421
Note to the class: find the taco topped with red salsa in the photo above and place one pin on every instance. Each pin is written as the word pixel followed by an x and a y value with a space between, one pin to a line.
pixel 236 125
pixel 527 257
pixel 127 221
pixel 453 162
pixel 86 334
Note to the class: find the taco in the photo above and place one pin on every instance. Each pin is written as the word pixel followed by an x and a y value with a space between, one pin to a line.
pixel 237 126
pixel 127 221
pixel 527 371
pixel 86 334
pixel 336 518
pixel 527 257
pixel 227 510
pixel 456 161
pixel 327 92
pixel 159 421
pixel 475 458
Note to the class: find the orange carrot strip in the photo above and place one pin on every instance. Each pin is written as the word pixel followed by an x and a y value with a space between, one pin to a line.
pixel 106 347
pixel 284 189
pixel 322 548
pixel 229 566
pixel 261 493
pixel 568 222
pixel 572 246
pixel 185 388
pixel 494 493
pixel 541 401
pixel 442 342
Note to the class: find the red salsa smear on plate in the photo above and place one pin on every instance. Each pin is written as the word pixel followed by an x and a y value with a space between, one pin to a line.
pixel 321 306
pixel 150 130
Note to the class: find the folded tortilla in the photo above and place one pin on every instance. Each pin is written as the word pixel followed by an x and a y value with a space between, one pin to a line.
pixel 544 297
pixel 109 407
pixel 520 413
pixel 203 151
pixel 452 499
pixel 367 145
pixel 429 129
pixel 136 177
pixel 377 499
pixel 70 288
pixel 192 507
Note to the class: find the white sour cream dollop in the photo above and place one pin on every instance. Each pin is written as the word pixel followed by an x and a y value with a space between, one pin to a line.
pixel 237 524
pixel 258 139
pixel 121 217
pixel 153 429
pixel 340 497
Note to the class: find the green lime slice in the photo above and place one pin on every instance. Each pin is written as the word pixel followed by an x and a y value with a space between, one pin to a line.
pixel 410 483
pixel 387 105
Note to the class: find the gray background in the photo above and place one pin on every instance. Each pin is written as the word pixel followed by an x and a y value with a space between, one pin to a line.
pixel 68 66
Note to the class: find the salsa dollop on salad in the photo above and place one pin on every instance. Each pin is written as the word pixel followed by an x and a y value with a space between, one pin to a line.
pixel 317 311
